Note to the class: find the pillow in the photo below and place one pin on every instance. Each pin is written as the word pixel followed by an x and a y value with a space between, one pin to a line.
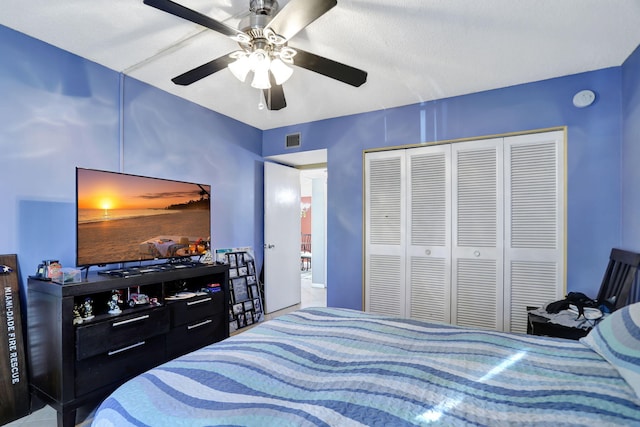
pixel 617 339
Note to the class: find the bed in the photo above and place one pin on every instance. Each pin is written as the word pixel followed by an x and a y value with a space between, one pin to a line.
pixel 339 367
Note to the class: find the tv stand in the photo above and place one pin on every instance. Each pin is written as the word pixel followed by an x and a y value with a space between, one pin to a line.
pixel 75 363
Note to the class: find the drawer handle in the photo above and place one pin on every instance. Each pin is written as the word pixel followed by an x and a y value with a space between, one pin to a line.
pixel 135 319
pixel 199 301
pixel 197 325
pixel 111 353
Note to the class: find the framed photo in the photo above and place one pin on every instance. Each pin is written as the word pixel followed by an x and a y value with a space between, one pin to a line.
pixel 239 289
pixel 240 261
pixel 237 309
pixel 232 260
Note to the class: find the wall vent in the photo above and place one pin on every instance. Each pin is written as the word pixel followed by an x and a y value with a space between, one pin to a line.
pixel 293 140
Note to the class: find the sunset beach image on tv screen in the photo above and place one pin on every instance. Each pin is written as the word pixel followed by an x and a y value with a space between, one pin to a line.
pixel 122 217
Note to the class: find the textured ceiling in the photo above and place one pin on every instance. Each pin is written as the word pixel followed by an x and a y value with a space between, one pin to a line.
pixel 413 50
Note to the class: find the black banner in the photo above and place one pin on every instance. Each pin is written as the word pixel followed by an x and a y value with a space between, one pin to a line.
pixel 14 384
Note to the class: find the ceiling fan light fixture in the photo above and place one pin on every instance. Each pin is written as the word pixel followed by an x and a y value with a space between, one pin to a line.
pixel 241 38
pixel 259 59
pixel 262 63
pixel 261 79
pixel 274 38
pixel 240 67
pixel 281 71
pixel 287 53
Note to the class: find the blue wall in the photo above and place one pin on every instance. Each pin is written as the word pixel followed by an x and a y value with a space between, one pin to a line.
pixel 593 164
pixel 59 111
pixel 631 152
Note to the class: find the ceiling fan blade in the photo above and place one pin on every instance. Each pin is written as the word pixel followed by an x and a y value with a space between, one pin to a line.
pixel 274 96
pixel 202 71
pixel 193 16
pixel 330 68
pixel 297 14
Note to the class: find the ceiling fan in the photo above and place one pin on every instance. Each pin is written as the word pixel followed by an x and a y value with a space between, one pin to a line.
pixel 264 48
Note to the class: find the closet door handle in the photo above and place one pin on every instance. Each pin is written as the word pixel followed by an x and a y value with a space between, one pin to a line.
pixel 476 254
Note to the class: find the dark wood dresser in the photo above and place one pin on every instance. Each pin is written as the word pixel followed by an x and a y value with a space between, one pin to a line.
pixel 73 364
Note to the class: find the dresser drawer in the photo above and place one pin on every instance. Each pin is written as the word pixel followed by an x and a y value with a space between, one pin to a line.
pixel 189 337
pixel 190 310
pixel 121 331
pixel 119 364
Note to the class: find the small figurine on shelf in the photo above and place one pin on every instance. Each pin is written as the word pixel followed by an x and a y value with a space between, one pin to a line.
pixel 207 257
pixel 114 308
pixel 87 309
pixel 77 317
pixel 137 299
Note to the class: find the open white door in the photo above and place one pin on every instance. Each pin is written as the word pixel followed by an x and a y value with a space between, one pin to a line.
pixel 281 237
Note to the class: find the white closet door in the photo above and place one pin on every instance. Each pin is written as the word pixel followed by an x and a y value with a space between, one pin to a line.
pixel 477 241
pixel 534 229
pixel 385 231
pixel 429 233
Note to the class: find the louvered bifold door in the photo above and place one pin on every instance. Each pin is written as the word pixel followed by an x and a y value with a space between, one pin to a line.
pixel 429 233
pixel 477 261
pixel 534 228
pixel 385 222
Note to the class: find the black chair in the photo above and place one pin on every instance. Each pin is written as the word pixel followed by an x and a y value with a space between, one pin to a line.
pixel 618 278
pixel 616 288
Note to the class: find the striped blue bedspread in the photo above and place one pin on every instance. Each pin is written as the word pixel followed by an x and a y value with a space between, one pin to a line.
pixel 337 367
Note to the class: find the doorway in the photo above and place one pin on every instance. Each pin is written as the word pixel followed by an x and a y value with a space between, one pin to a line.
pixel 313 190
pixel 313 178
